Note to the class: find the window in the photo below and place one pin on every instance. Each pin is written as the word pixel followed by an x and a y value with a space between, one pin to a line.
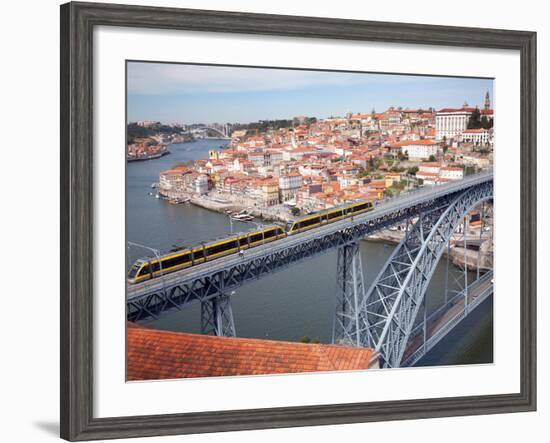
pixel 256 237
pixel 312 221
pixel 133 270
pixel 212 250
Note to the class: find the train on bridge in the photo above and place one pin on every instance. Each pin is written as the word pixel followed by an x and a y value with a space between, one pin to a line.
pixel 176 259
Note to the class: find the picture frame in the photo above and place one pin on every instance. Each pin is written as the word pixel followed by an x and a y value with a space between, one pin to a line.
pixel 77 218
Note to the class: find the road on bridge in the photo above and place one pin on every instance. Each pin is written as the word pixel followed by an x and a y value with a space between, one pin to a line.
pixel 455 308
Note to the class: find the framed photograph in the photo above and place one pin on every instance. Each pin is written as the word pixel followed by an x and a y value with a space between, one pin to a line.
pixel 273 221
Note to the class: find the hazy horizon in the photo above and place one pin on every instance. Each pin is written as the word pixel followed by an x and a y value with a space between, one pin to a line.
pixel 187 94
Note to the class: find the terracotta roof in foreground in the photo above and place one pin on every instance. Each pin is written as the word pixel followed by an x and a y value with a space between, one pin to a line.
pixel 154 354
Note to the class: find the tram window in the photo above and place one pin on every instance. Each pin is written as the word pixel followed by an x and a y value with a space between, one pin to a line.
pixel 256 237
pixel 175 261
pixel 269 234
pixel 243 241
pixel 133 271
pixel 306 223
pixel 198 254
pixel 221 248
pixel 334 215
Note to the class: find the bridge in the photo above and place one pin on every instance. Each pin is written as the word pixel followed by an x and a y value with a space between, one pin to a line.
pixel 223 133
pixel 382 316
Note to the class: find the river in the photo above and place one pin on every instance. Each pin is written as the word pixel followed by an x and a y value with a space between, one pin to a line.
pixel 287 305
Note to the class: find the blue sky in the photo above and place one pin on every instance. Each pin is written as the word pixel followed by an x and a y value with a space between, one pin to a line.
pixel 207 94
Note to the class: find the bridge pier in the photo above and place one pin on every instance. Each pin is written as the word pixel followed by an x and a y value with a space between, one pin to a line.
pixel 350 295
pixel 216 313
pixel 217 317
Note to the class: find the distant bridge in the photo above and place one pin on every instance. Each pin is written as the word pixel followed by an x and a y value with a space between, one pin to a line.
pixel 224 132
pixel 382 317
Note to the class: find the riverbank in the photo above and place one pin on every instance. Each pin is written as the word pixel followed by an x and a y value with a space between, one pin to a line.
pixel 221 205
pixel 459 256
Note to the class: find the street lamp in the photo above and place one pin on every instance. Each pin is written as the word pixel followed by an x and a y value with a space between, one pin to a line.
pixel 157 254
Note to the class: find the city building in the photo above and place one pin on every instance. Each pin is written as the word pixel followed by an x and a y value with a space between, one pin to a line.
pixel 420 149
pixel 477 136
pixel 201 184
pixel 174 181
pixel 289 185
pixel 451 122
pixel 270 191
pixel 451 173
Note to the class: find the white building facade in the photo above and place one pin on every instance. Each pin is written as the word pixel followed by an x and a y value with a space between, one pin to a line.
pixel 289 185
pixel 451 123
pixel 450 173
pixel 479 136
pixel 420 149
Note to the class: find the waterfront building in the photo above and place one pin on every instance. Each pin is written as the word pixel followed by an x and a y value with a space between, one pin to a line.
pixel 174 182
pixel 270 191
pixel 289 185
pixel 201 184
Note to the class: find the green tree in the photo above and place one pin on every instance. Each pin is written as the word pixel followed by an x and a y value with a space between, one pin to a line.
pixel 474 121
pixel 431 158
pixel 413 170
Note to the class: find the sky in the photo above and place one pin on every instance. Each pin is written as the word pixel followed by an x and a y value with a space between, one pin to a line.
pixel 180 93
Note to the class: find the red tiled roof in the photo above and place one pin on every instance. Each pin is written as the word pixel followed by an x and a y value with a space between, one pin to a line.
pixel 475 131
pixel 154 354
pixel 463 109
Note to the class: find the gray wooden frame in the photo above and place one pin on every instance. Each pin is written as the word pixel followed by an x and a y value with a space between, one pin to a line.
pixel 77 24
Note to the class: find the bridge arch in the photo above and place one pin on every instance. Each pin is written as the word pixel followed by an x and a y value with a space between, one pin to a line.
pixel 392 302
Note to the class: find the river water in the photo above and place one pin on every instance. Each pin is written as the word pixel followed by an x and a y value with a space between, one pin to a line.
pixel 287 305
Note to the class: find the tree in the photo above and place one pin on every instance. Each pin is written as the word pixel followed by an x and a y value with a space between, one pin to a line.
pixel 413 170
pixel 431 158
pixel 475 120
pixel 295 211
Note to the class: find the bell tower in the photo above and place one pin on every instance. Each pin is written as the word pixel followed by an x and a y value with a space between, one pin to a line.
pixel 487 101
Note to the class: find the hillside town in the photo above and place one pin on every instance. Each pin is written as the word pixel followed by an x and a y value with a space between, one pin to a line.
pixel 314 164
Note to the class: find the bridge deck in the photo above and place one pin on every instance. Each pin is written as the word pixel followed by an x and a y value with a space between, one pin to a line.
pixel 444 319
pixel 388 208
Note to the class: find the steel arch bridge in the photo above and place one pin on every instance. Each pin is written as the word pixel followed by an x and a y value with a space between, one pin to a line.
pixel 383 317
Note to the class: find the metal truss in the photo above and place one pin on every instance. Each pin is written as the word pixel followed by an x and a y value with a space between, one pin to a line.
pixel 394 299
pixel 350 296
pixel 217 317
pixel 212 279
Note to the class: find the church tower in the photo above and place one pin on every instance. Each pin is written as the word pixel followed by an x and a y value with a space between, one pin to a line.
pixel 487 101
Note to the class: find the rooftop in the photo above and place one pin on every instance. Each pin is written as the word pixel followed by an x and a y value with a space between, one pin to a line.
pixel 154 354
